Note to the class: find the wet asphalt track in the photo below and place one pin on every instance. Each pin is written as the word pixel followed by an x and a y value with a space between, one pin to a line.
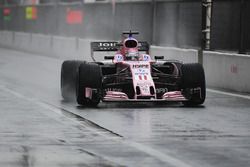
pixel 38 129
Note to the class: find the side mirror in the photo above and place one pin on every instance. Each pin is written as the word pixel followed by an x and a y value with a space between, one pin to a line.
pixel 108 57
pixel 159 57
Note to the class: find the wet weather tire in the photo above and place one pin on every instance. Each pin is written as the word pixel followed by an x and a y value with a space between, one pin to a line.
pixel 69 70
pixel 193 76
pixel 89 76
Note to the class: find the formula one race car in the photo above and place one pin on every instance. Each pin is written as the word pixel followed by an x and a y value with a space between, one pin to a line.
pixel 131 75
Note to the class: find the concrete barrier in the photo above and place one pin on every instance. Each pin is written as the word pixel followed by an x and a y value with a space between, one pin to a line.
pixel 7 39
pixel 64 47
pixel 56 46
pixel 223 70
pixel 227 71
pixel 1 36
pixel 41 44
pixel 84 49
pixel 170 53
pixel 22 41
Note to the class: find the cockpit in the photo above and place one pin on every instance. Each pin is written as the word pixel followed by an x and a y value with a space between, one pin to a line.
pixel 131 46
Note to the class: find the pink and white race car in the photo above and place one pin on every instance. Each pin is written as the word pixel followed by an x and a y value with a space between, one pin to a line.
pixel 131 75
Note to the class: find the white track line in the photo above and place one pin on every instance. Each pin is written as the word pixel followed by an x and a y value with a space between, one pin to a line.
pixel 143 148
pixel 229 94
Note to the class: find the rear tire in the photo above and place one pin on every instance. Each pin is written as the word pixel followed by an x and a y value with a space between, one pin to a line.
pixel 69 70
pixel 89 76
pixel 193 76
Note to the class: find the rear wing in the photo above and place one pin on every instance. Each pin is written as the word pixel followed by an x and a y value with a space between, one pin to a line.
pixel 114 46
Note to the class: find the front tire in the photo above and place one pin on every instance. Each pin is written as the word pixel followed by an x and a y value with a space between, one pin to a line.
pixel 193 76
pixel 69 70
pixel 89 76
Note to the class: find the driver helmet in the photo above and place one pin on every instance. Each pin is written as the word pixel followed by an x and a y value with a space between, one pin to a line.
pixel 131 47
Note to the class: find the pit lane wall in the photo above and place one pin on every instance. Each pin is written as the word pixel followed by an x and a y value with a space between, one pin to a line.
pixel 47 45
pixel 223 70
pixel 229 71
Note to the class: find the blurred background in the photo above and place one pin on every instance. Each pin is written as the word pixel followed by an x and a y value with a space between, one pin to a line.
pixel 174 23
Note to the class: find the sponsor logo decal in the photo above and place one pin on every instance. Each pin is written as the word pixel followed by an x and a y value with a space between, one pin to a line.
pixel 146 57
pixel 118 58
pixel 234 69
pixel 161 90
pixel 140 66
pixel 107 44
pixel 141 72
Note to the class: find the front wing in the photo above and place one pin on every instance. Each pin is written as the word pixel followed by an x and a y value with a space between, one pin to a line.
pixel 174 96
